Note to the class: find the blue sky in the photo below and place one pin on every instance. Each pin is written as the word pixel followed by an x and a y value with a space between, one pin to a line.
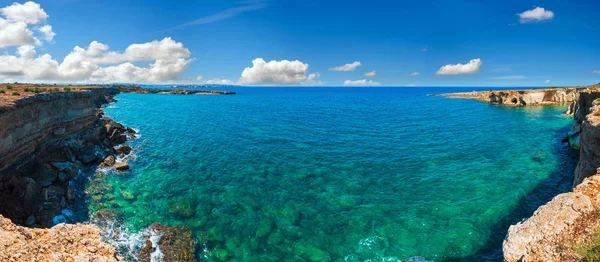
pixel 394 38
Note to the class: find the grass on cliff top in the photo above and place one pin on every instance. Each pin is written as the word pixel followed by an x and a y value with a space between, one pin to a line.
pixel 589 250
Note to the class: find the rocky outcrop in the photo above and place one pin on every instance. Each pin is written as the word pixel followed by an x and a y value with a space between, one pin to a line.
pixel 558 227
pixel 60 243
pixel 521 97
pixel 47 140
pixel 34 119
pixel 587 121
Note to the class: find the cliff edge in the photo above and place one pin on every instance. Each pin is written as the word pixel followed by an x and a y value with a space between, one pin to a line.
pixel 63 243
pixel 521 97
pixel 561 229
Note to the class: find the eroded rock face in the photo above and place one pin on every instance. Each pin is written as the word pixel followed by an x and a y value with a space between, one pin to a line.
pixel 45 142
pixel 34 119
pixel 589 137
pixel 523 97
pixel 553 230
pixel 60 243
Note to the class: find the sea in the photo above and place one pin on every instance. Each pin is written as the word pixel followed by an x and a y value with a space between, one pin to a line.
pixel 335 173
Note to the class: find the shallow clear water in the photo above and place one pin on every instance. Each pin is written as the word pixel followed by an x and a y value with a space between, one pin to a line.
pixel 336 174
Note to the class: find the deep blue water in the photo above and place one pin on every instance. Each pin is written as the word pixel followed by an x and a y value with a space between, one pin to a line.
pixel 334 174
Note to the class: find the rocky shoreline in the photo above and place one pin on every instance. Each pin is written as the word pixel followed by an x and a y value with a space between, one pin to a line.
pixel 562 229
pixel 530 97
pixel 50 139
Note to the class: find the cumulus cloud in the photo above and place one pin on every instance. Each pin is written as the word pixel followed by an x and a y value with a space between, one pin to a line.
pixel 537 14
pixel 346 67
pixel 29 12
pixel 87 64
pixel 47 32
pixel 218 81
pixel 596 72
pixel 362 82
pixel 16 21
pixel 274 72
pixel 514 77
pixel 414 74
pixel 371 74
pixel 458 69
pixel 15 34
pixel 547 82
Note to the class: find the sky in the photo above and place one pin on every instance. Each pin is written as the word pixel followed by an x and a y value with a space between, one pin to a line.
pixel 302 42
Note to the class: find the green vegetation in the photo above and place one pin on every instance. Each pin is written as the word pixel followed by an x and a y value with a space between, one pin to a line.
pixel 590 251
pixel 67 89
pixel 9 87
pixel 16 94
pixel 2 91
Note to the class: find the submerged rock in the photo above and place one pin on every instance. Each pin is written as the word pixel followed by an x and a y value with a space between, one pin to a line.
pixel 175 243
pixel 123 166
pixel 417 259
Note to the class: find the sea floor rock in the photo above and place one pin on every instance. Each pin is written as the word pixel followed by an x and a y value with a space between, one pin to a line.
pixel 172 244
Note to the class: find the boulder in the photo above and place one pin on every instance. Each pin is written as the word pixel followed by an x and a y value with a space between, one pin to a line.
pixel 123 150
pixel 109 160
pixel 123 166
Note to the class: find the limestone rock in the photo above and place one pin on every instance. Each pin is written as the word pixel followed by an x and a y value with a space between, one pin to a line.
pixel 549 234
pixel 123 166
pixel 60 243
pixel 109 160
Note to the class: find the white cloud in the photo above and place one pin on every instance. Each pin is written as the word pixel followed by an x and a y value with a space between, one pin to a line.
pixel 362 82
pixel 470 68
pixel 596 72
pixel 414 74
pixel 199 78
pixel 29 12
pixel 346 67
pixel 15 25
pixel 274 72
pixel 218 81
pixel 245 6
pixel 371 74
pixel 46 30
pixel 547 82
pixel 165 49
pixel 85 65
pixel 537 14
pixel 514 77
pixel 16 34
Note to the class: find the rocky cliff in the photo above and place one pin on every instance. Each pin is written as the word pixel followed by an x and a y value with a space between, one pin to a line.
pixel 521 97
pixel 29 121
pixel 556 231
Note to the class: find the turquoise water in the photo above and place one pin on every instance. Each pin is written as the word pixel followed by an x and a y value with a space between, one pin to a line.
pixel 337 174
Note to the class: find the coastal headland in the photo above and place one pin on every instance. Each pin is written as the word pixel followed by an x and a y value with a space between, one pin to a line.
pixel 50 137
pixel 566 228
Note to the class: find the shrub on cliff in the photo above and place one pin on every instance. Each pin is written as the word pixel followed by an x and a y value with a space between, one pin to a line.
pixel 9 87
pixel 67 89
pixel 16 94
pixel 2 92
